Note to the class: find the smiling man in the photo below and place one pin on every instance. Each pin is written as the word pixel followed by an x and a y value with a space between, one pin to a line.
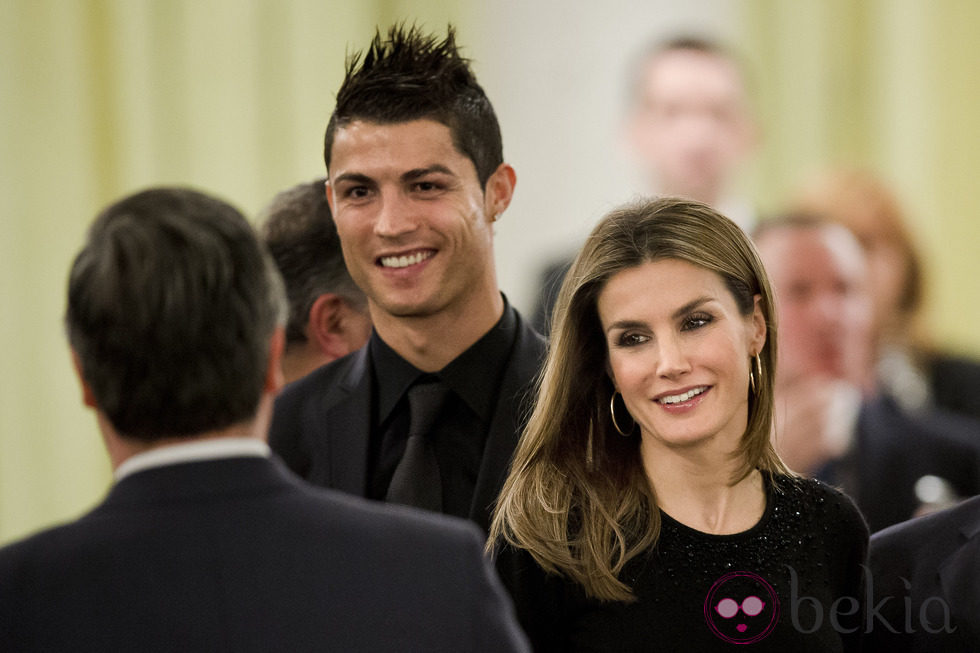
pixel 429 412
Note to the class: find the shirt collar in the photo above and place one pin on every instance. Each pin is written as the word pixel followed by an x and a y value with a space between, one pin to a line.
pixel 193 451
pixel 393 373
pixel 473 375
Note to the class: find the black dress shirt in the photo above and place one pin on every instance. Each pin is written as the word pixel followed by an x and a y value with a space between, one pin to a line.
pixel 460 431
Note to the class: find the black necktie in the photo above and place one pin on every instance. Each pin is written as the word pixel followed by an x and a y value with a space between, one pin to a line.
pixel 416 481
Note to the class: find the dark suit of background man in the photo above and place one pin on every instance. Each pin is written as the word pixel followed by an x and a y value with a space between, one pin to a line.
pixel 416 181
pixel 328 316
pixel 929 569
pixel 204 542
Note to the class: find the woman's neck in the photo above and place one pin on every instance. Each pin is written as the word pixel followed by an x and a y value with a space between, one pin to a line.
pixel 697 490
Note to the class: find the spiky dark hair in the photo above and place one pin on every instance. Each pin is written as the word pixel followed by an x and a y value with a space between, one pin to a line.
pixel 409 75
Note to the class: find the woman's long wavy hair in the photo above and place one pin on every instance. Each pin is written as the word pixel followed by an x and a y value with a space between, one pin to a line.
pixel 577 498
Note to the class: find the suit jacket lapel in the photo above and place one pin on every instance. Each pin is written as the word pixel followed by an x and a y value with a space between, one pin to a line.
pixel 347 422
pixel 958 578
pixel 514 402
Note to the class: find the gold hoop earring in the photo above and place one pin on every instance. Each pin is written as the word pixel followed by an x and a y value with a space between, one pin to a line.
pixel 758 368
pixel 612 414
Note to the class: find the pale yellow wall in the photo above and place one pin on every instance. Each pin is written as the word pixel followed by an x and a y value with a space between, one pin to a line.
pixel 99 99
pixel 51 464
pixel 948 207
pixel 894 86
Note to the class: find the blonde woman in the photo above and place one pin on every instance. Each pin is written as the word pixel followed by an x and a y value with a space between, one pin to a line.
pixel 646 508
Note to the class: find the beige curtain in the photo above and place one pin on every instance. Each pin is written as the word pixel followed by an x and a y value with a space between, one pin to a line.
pixel 892 85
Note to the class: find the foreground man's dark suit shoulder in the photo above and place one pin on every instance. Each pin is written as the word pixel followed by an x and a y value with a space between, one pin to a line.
pixel 322 423
pixel 926 575
pixel 247 557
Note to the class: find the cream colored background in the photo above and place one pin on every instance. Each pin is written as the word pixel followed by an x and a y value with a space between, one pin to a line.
pixel 99 99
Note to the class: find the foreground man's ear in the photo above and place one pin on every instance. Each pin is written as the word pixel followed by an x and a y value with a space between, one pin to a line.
pixel 274 378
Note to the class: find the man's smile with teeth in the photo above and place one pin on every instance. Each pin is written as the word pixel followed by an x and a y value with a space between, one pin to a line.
pixel 405 260
pixel 684 396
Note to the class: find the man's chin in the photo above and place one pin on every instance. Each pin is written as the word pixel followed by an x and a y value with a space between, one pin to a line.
pixel 407 308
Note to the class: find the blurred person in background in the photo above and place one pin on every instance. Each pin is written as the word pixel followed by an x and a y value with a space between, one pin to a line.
pixel 909 367
pixel 328 314
pixel 690 128
pixel 832 419
pixel 690 123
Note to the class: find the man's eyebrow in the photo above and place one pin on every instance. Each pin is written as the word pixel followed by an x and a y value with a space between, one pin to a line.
pixel 352 178
pixel 417 173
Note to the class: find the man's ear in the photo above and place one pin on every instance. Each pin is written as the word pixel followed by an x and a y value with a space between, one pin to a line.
pixel 500 190
pixel 328 189
pixel 88 397
pixel 325 326
pixel 274 378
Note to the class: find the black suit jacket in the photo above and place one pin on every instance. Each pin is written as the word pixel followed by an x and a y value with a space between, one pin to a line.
pixel 955 383
pixel 238 554
pixel 928 567
pixel 321 426
pixel 894 449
